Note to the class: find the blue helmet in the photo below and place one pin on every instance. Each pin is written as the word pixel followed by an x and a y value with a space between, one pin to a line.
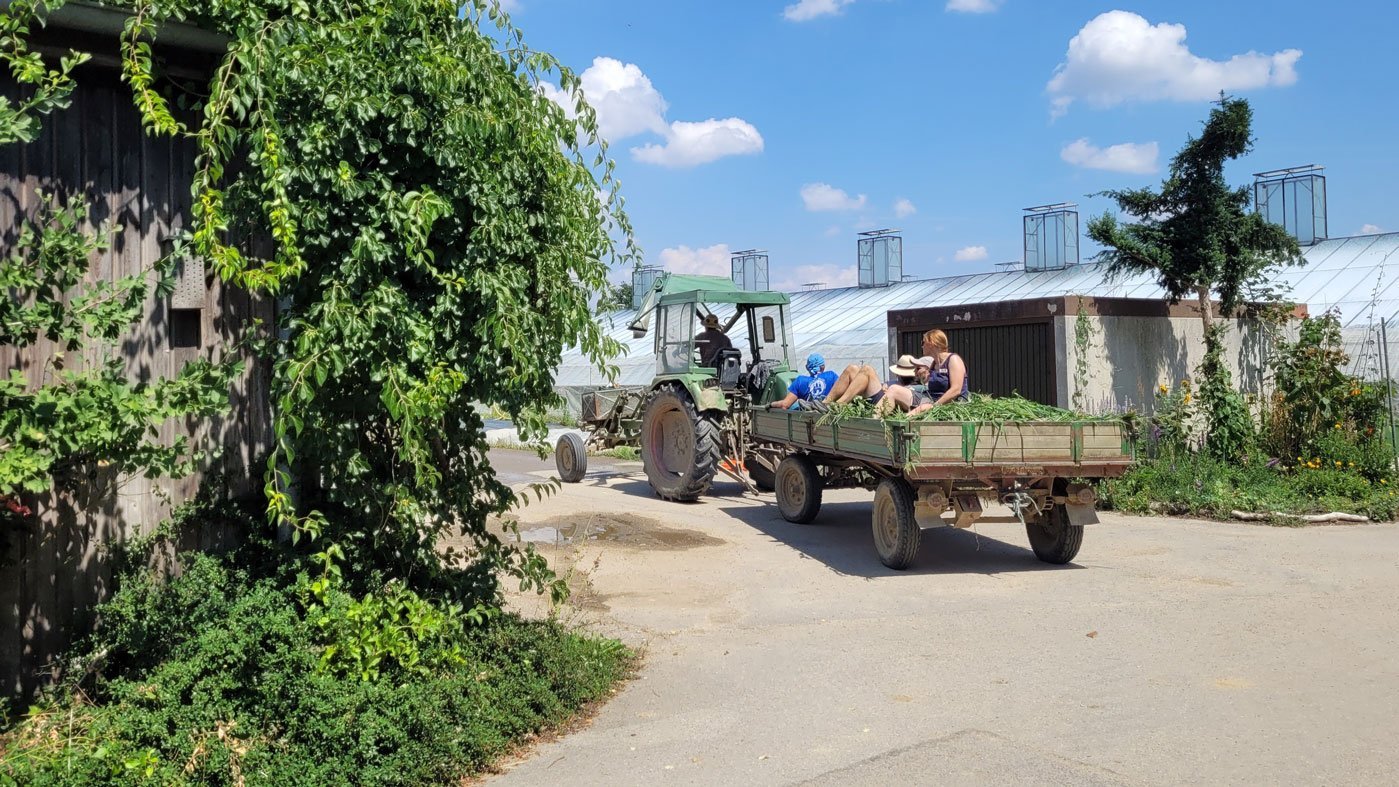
pixel 815 363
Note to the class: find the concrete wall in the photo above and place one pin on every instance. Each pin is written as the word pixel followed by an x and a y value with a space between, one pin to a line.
pixel 1130 356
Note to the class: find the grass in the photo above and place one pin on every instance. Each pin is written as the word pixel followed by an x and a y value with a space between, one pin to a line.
pixel 1200 486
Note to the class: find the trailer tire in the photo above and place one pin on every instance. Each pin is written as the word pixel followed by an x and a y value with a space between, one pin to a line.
pixel 896 531
pixel 1055 540
pixel 798 485
pixel 571 458
pixel 679 445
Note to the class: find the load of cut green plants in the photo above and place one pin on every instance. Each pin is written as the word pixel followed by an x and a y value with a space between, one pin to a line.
pixel 234 675
pixel 980 408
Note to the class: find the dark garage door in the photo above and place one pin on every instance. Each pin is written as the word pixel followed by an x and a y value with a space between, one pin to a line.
pixel 1001 359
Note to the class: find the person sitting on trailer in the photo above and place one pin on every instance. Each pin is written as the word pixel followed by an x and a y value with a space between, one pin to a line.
pixel 860 379
pixel 809 387
pixel 711 340
pixel 909 396
pixel 948 380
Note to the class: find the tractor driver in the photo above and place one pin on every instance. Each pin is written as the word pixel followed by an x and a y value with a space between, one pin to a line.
pixel 809 387
pixel 711 340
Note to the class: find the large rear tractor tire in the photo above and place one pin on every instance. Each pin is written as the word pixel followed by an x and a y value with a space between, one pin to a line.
pixel 896 532
pixel 571 458
pixel 1055 540
pixel 798 489
pixel 679 445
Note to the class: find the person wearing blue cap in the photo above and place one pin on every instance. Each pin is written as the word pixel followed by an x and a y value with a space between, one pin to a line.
pixel 810 387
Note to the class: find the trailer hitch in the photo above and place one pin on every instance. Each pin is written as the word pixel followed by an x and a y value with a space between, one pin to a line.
pixel 1019 501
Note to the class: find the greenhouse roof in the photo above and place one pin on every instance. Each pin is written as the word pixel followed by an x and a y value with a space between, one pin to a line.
pixel 1355 276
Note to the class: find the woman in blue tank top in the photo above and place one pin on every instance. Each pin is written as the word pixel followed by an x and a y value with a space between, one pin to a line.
pixel 948 381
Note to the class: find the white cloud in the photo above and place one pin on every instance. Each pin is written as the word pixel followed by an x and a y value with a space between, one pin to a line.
pixel 830 276
pixel 689 144
pixel 970 254
pixel 904 208
pixel 626 102
pixel 1137 158
pixel 804 10
pixel 820 197
pixel 627 105
pixel 710 260
pixel 1371 229
pixel 973 6
pixel 1119 56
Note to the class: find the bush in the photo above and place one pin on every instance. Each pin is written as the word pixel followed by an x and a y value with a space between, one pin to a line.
pixel 1200 485
pixel 217 676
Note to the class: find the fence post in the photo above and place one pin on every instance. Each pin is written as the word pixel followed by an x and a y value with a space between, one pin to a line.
pixel 1388 387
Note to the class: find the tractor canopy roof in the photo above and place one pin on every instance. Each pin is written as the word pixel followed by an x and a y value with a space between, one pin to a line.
pixel 685 288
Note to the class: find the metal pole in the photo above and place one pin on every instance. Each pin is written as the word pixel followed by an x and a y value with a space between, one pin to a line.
pixel 1388 387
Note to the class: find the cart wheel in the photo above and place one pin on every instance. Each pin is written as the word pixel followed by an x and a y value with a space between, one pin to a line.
pixel 798 485
pixel 1055 540
pixel 896 532
pixel 571 458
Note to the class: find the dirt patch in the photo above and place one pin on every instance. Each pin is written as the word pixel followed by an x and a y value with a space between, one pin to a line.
pixel 625 530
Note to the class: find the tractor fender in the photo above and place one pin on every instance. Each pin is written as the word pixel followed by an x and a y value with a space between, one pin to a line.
pixel 710 399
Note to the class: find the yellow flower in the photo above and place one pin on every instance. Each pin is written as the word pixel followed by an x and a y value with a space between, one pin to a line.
pixel 1338 463
pixel 1350 464
pixel 1338 424
pixel 1185 383
pixel 1384 480
pixel 1162 388
pixel 1187 398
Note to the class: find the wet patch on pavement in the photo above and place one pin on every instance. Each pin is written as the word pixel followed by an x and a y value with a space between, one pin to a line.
pixel 625 530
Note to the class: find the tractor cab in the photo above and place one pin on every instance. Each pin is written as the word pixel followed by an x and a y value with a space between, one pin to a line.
pixel 710 334
pixel 722 353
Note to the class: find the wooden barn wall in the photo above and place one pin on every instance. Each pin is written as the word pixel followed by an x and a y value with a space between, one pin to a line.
pixel 55 571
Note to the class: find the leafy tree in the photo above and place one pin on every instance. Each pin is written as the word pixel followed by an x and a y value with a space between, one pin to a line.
pixel 438 230
pixel 617 297
pixel 1197 236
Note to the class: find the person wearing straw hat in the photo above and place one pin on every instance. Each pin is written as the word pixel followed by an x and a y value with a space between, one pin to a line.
pixel 910 397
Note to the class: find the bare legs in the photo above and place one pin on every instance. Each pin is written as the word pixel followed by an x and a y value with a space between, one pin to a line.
pixel 897 396
pixel 857 380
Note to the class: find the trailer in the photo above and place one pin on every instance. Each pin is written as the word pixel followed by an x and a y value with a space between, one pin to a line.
pixel 938 473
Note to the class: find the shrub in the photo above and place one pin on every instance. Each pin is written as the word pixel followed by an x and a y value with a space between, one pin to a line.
pixel 217 675
pixel 1204 486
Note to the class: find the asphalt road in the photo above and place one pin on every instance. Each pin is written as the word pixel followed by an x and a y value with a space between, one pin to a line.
pixel 1171 651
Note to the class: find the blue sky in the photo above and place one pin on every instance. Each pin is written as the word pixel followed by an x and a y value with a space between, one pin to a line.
pixel 791 124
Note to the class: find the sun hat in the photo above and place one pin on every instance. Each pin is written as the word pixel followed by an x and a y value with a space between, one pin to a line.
pixel 927 361
pixel 904 368
pixel 815 363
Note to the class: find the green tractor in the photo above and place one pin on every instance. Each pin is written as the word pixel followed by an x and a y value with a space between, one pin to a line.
pixel 692 422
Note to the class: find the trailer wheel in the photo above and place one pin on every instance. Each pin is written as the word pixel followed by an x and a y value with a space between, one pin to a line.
pixel 798 485
pixel 896 532
pixel 679 446
pixel 571 458
pixel 1055 540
